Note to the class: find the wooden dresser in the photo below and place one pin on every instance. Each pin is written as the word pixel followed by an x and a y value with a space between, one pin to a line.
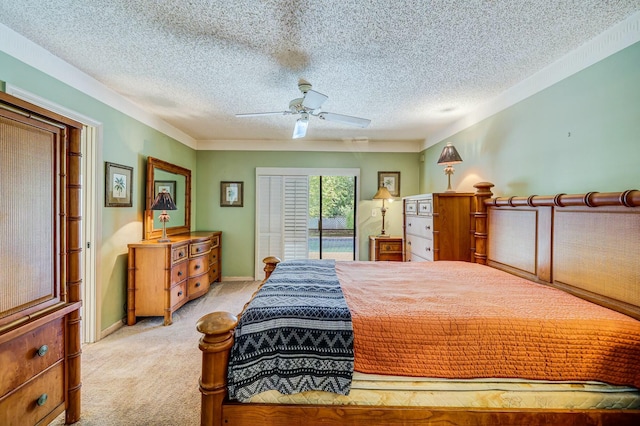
pixel 40 260
pixel 438 226
pixel 165 276
pixel 385 248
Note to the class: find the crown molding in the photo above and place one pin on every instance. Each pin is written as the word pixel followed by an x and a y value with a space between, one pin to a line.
pixel 348 145
pixel 616 38
pixel 41 59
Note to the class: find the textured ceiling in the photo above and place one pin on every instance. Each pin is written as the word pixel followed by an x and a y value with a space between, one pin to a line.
pixel 411 67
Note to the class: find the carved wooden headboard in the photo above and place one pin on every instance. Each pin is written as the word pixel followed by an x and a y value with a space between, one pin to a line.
pixel 587 244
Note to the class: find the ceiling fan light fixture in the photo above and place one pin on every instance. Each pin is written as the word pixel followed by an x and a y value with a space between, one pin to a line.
pixel 300 130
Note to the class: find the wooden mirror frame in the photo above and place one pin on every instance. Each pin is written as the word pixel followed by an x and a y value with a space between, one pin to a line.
pixel 149 231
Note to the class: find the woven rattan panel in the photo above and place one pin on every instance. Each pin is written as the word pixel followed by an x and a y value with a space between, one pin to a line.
pixel 598 250
pixel 26 216
pixel 512 238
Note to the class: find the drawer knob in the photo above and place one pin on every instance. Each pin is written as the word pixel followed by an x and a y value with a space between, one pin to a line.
pixel 427 248
pixel 42 400
pixel 42 350
pixel 409 224
pixel 197 267
pixel 179 273
pixel 198 250
pixel 197 284
pixel 179 293
pixel 180 254
pixel 427 227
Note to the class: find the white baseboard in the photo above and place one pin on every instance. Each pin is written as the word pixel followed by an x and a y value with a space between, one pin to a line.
pixel 237 279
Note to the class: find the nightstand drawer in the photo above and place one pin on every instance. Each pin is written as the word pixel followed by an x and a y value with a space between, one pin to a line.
pixel 385 248
pixel 390 247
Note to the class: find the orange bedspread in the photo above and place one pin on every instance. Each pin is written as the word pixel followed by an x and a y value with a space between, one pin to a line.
pixel 464 320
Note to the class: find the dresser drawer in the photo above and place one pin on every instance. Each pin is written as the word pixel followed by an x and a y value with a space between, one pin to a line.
pixel 420 226
pixel 198 285
pixel 198 265
pixel 215 241
pixel 411 207
pixel 178 294
pixel 27 355
pixel 214 272
pixel 198 249
pixel 213 256
pixel 179 272
pixel 179 253
pixel 422 247
pixel 35 400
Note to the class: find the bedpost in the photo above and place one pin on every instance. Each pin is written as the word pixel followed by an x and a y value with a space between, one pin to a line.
pixel 270 264
pixel 215 345
pixel 483 192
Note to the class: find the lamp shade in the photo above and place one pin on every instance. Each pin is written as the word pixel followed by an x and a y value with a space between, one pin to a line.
pixel 449 155
pixel 382 194
pixel 163 202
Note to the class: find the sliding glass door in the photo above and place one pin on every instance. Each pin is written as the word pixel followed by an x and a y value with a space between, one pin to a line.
pixel 332 212
pixel 306 214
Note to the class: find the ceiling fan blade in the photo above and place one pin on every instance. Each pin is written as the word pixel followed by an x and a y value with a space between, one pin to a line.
pixel 346 119
pixel 313 100
pixel 257 114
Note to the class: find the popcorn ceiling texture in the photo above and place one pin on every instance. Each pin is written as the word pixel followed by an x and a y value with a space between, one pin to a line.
pixel 409 66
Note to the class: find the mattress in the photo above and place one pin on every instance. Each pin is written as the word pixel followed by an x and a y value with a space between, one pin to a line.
pixel 370 389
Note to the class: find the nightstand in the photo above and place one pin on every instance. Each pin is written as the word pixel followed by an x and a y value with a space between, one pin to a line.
pixel 385 248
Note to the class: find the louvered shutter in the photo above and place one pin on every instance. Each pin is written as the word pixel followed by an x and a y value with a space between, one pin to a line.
pixel 296 213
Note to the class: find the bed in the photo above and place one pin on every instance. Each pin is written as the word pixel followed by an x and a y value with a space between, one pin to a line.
pixel 585 245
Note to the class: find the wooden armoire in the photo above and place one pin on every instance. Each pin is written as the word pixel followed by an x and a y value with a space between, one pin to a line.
pixel 40 264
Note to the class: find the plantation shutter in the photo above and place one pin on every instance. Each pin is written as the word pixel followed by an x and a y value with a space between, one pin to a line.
pixel 283 204
pixel 296 213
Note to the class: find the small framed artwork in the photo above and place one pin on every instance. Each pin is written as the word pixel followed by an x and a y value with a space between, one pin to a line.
pixel 118 182
pixel 231 194
pixel 391 181
pixel 165 185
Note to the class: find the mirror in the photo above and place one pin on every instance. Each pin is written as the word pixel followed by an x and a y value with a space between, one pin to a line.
pixel 177 181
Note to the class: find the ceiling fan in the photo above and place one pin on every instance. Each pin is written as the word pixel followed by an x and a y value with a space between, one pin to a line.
pixel 309 105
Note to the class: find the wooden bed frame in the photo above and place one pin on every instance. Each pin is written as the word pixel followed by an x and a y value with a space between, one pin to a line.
pixel 587 244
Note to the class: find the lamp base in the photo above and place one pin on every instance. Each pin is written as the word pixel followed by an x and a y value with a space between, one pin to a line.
pixel 450 191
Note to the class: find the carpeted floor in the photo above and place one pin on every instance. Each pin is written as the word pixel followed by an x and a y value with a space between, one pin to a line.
pixel 147 374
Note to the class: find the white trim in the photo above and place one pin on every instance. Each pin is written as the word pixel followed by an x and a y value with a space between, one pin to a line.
pixel 92 215
pixel 606 44
pixel 350 145
pixel 36 56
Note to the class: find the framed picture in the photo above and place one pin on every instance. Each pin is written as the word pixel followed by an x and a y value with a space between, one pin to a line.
pixel 118 182
pixel 231 194
pixel 391 181
pixel 165 185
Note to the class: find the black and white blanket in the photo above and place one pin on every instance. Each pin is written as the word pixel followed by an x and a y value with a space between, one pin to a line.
pixel 295 335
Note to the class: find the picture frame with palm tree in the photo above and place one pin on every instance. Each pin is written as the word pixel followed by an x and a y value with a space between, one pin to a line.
pixel 118 180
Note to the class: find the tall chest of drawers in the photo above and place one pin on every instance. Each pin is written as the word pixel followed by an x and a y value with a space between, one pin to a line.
pixel 165 276
pixel 438 227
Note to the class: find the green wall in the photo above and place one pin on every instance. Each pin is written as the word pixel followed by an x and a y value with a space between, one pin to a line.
pixel 581 134
pixel 126 141
pixel 238 224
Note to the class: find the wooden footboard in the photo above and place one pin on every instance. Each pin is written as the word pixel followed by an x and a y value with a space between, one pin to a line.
pixel 218 327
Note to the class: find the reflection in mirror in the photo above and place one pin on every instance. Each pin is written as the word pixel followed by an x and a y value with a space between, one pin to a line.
pixel 177 181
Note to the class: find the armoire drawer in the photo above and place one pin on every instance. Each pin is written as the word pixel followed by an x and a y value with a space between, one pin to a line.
pixel 29 354
pixel 35 399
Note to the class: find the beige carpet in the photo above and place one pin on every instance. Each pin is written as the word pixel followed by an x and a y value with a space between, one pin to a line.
pixel 147 374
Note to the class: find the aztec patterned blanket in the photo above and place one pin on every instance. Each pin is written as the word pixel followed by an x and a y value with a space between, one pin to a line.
pixel 295 335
